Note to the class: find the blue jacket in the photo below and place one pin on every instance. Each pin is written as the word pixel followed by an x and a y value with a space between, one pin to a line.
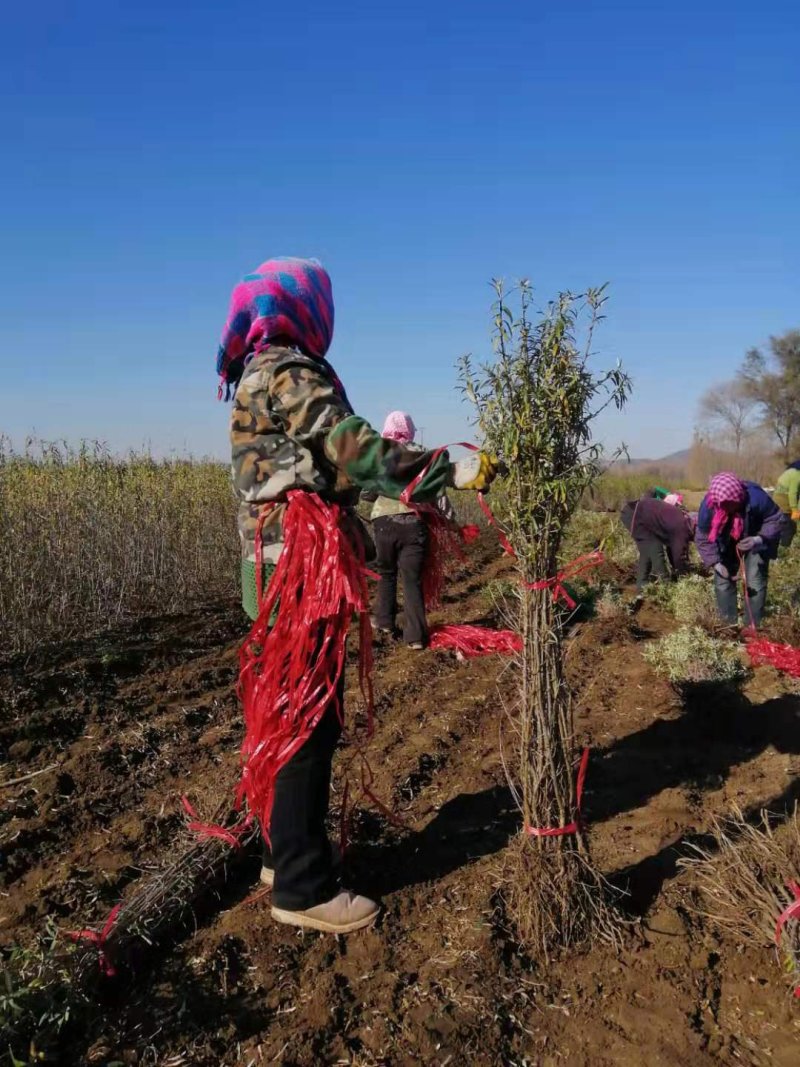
pixel 762 518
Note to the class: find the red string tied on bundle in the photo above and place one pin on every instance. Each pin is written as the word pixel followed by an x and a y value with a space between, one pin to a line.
pixel 572 570
pixel 575 825
pixel 291 665
pixel 99 938
pixel 791 912
pixel 232 836
pixel 473 641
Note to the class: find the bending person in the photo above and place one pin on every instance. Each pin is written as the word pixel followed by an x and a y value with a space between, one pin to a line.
pixel 739 528
pixel 662 531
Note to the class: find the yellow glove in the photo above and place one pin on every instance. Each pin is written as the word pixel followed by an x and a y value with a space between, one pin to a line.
pixel 477 472
pixel 796 515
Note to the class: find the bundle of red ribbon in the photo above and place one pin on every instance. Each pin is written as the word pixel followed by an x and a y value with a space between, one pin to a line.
pixel 784 657
pixel 290 669
pixel 472 641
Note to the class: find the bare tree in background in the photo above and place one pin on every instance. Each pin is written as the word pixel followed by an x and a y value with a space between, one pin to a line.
pixel 773 382
pixel 729 408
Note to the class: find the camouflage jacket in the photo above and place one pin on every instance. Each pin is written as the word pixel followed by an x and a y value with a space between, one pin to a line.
pixel 292 427
pixel 387 507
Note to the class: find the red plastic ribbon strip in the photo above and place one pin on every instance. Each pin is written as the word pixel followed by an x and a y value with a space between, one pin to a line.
pixel 444 545
pixel 792 912
pixel 572 570
pixel 783 657
pixel 408 492
pixel 504 541
pixel 290 666
pixel 99 939
pixel 347 810
pixel 472 641
pixel 444 536
pixel 210 829
pixel 574 826
pixel 405 498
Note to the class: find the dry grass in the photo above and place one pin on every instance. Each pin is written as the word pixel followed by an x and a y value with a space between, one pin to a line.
pixel 690 599
pixel 588 530
pixel 610 604
pixel 616 487
pixel 743 881
pixel 87 539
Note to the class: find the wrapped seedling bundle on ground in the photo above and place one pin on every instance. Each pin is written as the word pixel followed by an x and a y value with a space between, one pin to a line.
pixel 748 876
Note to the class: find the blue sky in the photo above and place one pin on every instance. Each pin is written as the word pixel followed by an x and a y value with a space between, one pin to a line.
pixel 155 152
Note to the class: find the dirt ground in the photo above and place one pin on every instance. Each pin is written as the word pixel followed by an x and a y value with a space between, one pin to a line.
pixel 132 721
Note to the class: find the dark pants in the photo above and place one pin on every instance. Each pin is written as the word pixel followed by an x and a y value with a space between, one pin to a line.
pixel 301 852
pixel 756 575
pixel 401 542
pixel 652 563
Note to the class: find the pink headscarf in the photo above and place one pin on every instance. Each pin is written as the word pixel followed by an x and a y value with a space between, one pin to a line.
pixel 726 488
pixel 399 427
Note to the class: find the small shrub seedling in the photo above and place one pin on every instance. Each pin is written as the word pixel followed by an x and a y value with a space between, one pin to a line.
pixel 692 656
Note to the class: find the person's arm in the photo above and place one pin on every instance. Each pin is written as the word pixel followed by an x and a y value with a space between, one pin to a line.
pixel 313 409
pixel 794 491
pixel 709 552
pixel 771 521
pixel 680 535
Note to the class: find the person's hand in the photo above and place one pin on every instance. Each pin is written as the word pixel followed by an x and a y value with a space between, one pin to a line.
pixel 722 571
pixel 796 515
pixel 749 544
pixel 477 472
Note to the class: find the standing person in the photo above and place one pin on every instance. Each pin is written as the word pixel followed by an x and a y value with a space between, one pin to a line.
pixel 401 543
pixel 787 497
pixel 662 531
pixel 739 528
pixel 292 428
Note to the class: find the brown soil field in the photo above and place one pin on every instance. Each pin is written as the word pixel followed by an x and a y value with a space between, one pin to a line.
pixel 147 713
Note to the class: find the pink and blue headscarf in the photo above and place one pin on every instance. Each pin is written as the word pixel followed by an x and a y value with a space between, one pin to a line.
pixel 285 297
pixel 727 498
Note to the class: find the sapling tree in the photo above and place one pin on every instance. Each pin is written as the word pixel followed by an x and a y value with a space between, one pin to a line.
pixel 537 401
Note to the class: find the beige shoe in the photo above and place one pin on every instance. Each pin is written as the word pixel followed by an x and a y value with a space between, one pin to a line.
pixel 267 876
pixel 345 913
